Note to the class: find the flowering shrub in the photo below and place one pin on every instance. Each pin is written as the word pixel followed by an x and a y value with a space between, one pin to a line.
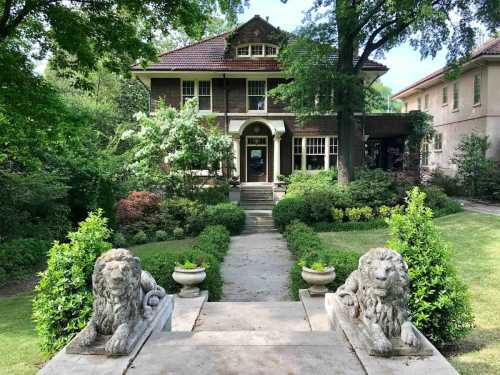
pixel 139 205
pixel 337 215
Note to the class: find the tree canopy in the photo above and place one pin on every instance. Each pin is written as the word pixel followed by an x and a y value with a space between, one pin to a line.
pixel 339 36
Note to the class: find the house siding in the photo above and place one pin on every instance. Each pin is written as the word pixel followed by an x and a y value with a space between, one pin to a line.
pixel 168 89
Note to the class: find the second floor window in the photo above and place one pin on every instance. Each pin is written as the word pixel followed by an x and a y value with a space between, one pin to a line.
pixel 200 89
pixel 425 154
pixel 445 95
pixel 438 142
pixel 477 89
pixel 455 95
pixel 256 95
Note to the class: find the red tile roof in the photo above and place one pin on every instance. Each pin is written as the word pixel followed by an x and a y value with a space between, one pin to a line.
pixel 491 47
pixel 209 55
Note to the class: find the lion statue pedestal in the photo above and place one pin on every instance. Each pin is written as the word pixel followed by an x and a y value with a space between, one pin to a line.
pixel 127 303
pixel 372 307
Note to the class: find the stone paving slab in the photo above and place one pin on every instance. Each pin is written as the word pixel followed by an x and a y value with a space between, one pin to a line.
pixel 186 311
pixel 252 316
pixel 315 311
pixel 248 353
pixel 256 268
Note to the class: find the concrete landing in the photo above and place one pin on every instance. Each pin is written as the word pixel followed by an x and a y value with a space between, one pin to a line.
pixel 252 316
pixel 256 268
pixel 246 352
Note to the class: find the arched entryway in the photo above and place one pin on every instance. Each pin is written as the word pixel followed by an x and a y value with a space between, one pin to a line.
pixel 257 150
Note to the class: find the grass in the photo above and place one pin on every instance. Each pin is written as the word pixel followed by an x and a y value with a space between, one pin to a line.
pixel 19 353
pixel 157 247
pixel 475 246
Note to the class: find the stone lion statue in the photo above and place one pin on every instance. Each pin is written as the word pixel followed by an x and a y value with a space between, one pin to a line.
pixel 377 294
pixel 123 296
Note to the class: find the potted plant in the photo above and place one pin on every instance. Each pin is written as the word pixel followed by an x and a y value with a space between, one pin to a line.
pixel 317 273
pixel 189 275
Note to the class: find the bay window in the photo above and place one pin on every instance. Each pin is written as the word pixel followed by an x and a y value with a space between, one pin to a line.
pixel 314 153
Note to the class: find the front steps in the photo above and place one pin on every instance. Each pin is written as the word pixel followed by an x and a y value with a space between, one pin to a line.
pixel 256 197
pixel 259 221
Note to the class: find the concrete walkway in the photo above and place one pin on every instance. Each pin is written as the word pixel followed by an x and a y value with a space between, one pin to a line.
pixel 256 268
pixel 492 209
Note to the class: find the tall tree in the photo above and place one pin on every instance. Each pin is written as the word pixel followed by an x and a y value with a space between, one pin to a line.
pixel 325 55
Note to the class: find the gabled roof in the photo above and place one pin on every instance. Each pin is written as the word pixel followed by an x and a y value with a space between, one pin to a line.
pixel 210 55
pixel 490 48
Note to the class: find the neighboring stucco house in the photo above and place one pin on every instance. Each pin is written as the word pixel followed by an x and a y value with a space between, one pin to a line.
pixel 469 104
pixel 231 75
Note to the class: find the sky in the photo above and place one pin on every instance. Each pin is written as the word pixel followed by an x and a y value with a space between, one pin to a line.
pixel 404 63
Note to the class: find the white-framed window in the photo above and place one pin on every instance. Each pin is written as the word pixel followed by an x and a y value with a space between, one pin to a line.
pixel 256 93
pixel 477 89
pixel 333 151
pixel 438 142
pixel 201 89
pixel 444 98
pixel 257 50
pixel 243 51
pixel 424 160
pixel 297 153
pixel 456 96
pixel 259 140
pixel 315 153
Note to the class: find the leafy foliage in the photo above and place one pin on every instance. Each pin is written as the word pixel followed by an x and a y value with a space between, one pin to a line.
pixel 228 215
pixel 63 301
pixel 19 257
pixel 288 210
pixel 214 239
pixel 439 300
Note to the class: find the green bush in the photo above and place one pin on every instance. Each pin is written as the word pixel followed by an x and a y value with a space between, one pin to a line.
pixel 337 215
pixel 227 214
pixel 161 266
pixel 349 226
pixel 288 210
pixel 354 214
pixel 435 197
pixel 374 188
pixel 181 212
pixel 140 237
pixel 214 194
pixel 19 258
pixel 161 235
pixel 366 213
pixel 178 233
pixel 214 240
pixel 302 182
pixel 301 239
pixel 119 240
pixel 439 299
pixel 452 207
pixel 450 185
pixel 63 300
pixel 319 204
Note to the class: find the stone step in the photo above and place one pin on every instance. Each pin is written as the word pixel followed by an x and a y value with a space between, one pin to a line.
pixel 259 221
pixel 246 352
pixel 257 206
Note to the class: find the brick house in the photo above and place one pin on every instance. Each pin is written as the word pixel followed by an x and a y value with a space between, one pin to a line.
pixel 471 103
pixel 230 74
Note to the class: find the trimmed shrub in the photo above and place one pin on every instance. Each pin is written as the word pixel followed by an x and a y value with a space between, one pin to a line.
pixel 140 237
pixel 227 214
pixel 63 301
pixel 161 266
pixel 374 187
pixel 302 182
pixel 214 240
pixel 301 239
pixel 366 213
pixel 119 240
pixel 161 235
pixel 288 210
pixel 435 197
pixel 451 208
pixel 178 233
pixel 337 215
pixel 354 214
pixel 439 299
pixel 19 258
pixel 349 226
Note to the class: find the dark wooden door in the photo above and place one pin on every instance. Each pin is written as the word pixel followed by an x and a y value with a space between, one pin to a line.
pixel 257 164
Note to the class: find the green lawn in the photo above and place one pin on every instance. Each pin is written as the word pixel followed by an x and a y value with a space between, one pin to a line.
pixel 475 243
pixel 19 352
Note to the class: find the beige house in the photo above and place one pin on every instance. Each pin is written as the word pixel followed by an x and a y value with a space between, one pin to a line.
pixel 469 104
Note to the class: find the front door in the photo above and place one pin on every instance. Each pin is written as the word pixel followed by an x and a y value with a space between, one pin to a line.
pixel 257 164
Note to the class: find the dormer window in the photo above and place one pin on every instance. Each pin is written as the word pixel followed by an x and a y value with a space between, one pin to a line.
pixel 257 50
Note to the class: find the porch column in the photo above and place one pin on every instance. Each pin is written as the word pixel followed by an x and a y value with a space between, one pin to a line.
pixel 277 156
pixel 327 153
pixel 236 152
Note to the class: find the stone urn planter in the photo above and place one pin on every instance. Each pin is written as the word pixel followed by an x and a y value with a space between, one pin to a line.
pixel 189 279
pixel 318 280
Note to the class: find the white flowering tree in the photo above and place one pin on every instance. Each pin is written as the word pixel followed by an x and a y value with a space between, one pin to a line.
pixel 171 145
